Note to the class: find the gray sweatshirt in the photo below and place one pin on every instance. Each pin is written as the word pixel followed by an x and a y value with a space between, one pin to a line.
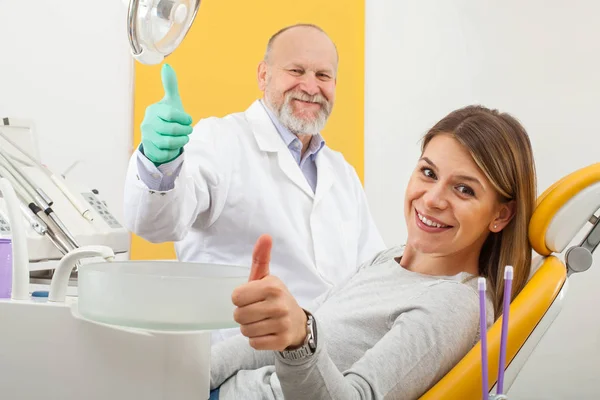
pixel 385 333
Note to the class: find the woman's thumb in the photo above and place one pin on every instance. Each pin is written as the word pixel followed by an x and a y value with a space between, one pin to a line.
pixel 261 256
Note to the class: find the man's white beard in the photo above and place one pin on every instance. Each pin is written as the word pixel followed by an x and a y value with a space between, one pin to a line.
pixel 301 126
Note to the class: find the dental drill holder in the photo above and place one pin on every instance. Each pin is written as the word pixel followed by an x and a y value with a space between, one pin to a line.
pixel 57 214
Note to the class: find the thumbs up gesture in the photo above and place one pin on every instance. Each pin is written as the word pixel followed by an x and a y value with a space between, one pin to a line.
pixel 266 311
pixel 166 126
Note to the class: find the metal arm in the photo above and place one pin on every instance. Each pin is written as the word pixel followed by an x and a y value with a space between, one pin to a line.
pixel 579 258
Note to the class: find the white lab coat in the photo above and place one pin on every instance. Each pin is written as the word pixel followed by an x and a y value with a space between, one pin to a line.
pixel 238 181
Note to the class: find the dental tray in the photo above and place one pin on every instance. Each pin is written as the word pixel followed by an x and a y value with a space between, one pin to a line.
pixel 159 295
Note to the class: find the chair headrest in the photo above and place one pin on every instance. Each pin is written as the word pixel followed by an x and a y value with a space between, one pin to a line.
pixel 563 210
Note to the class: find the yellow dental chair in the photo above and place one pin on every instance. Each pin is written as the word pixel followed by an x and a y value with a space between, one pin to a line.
pixel 562 212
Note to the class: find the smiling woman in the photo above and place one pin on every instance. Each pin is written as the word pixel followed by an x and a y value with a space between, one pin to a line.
pixel 463 194
pixel 409 314
pixel 450 205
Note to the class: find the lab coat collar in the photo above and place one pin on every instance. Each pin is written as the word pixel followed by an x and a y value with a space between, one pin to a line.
pixel 265 132
pixel 269 140
pixel 269 136
pixel 316 143
pixel 287 136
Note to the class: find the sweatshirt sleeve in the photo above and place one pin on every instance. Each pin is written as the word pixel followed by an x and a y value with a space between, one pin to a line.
pixel 422 345
pixel 233 355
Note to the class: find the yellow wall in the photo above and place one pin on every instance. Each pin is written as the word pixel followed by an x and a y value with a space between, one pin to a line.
pixel 216 68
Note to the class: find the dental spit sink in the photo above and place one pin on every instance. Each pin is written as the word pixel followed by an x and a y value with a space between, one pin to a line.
pixel 159 296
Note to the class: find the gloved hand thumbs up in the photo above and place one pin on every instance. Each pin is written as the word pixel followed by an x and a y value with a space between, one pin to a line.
pixel 166 125
pixel 169 82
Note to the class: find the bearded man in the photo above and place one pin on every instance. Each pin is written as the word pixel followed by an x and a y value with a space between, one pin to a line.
pixel 214 187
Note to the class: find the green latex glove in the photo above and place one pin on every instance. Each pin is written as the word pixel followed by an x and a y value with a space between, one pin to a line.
pixel 166 126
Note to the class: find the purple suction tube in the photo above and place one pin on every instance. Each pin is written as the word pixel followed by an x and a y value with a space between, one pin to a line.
pixel 481 283
pixel 508 277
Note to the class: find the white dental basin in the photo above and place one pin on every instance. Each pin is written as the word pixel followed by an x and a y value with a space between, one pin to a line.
pixel 159 295
pixel 50 350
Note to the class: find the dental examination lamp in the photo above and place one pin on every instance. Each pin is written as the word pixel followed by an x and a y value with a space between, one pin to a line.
pixel 156 27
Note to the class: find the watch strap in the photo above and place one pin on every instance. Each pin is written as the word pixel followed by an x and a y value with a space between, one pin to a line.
pixel 309 346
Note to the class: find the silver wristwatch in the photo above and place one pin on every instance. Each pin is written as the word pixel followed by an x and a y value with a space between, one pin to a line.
pixel 310 343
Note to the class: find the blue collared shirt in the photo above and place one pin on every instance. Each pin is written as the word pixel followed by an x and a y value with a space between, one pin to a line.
pixel 307 163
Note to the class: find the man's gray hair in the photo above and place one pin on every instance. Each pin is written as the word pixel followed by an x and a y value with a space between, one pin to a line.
pixel 279 32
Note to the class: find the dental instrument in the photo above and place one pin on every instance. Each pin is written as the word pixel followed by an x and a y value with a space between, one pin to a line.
pixel 481 284
pixel 58 181
pixel 35 192
pixel 28 209
pixel 79 211
pixel 35 215
pixel 38 199
pixel 34 220
pixel 508 277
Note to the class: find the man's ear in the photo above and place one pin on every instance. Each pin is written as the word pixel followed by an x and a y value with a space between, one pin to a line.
pixel 503 217
pixel 262 75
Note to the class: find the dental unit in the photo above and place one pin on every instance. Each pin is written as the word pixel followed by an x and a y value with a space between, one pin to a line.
pixel 116 329
pixel 81 320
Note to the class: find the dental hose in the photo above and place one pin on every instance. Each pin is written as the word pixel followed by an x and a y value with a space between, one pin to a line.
pixel 79 206
pixel 35 213
pixel 37 200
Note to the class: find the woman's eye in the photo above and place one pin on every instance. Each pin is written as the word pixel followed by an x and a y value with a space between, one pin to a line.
pixel 466 190
pixel 428 172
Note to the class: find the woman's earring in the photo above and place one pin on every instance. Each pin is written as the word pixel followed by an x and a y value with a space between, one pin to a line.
pixel 495 226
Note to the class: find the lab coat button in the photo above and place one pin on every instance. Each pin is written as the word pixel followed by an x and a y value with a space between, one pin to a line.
pixel 156 176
